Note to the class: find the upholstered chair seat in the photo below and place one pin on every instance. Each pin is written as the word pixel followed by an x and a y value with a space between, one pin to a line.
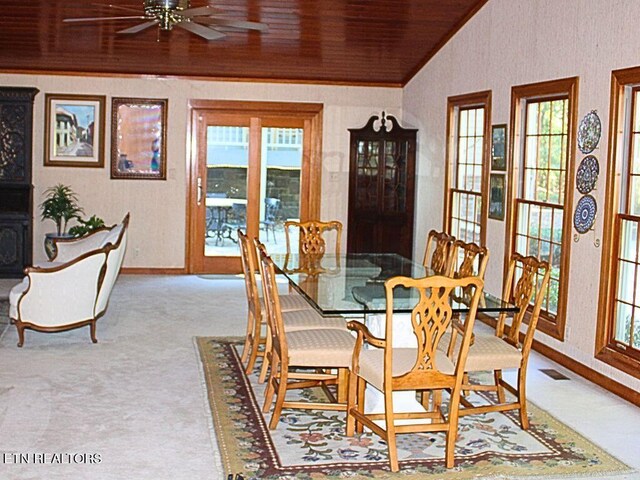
pixel 290 303
pixel 492 353
pixel 330 348
pixel 404 359
pixel 301 319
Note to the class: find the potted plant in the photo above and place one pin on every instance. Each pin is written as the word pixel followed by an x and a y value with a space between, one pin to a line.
pixel 85 227
pixel 60 205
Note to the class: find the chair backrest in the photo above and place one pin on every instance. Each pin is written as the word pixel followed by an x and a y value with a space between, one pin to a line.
pixel 248 261
pixel 311 239
pixel 431 317
pixel 527 278
pixel 273 312
pixel 441 259
pixel 469 259
pixel 116 247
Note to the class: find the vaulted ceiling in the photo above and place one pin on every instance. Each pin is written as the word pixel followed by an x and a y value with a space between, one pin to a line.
pixel 359 42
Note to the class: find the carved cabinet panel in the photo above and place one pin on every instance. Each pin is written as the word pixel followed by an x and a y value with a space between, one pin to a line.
pixel 381 188
pixel 16 199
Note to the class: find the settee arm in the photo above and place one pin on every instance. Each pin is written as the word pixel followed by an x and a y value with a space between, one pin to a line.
pixel 63 294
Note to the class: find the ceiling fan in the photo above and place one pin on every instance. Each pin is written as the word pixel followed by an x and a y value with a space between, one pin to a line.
pixel 202 21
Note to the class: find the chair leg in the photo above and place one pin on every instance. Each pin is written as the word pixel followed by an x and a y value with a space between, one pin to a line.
pixel 247 340
pixel 352 402
pixel 522 398
pixel 254 344
pixel 268 393
pixel 391 432
pixel 92 331
pixel 497 377
pixel 282 391
pixel 265 363
pixel 452 433
pixel 360 396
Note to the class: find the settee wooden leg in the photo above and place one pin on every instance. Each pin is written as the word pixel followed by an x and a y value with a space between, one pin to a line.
pixel 92 330
pixel 20 329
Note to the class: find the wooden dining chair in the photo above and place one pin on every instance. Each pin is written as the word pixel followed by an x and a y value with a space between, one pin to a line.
pixel 527 280
pixel 298 312
pixel 311 238
pixel 423 368
pixel 438 255
pixel 316 351
pixel 469 259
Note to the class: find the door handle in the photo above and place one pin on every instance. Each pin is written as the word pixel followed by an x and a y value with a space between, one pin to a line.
pixel 199 200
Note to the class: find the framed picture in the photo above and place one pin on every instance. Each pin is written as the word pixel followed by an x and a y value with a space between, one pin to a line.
pixel 138 138
pixel 74 130
pixel 498 147
pixel 497 195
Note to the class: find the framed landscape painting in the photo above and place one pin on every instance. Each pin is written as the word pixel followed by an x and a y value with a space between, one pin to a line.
pixel 497 183
pixel 74 130
pixel 498 147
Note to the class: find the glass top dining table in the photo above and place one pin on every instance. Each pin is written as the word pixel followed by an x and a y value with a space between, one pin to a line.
pixel 352 284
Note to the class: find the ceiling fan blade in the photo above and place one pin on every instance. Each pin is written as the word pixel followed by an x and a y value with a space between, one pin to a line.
pixel 139 28
pixel 194 12
pixel 102 19
pixel 227 22
pixel 201 30
pixel 110 6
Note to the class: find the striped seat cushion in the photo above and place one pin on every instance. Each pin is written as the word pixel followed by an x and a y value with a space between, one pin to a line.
pixel 372 364
pixel 304 319
pixel 489 352
pixel 330 348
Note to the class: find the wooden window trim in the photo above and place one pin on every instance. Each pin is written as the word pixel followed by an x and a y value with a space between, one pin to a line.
pixel 547 90
pixel 604 351
pixel 478 99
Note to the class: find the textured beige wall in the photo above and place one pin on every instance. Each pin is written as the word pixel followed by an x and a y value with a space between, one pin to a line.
pixel 514 42
pixel 158 208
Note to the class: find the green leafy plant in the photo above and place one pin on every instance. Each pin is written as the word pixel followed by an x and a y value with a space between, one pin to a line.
pixel 60 205
pixel 85 227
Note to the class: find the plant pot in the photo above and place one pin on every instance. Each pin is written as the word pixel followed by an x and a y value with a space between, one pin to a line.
pixel 49 244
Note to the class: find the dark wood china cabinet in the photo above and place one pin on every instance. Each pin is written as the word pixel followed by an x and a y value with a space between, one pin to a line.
pixel 381 187
pixel 16 196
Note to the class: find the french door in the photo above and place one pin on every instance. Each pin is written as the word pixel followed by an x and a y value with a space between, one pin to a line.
pixel 253 166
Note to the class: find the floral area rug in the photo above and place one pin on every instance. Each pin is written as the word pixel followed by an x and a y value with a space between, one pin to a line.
pixel 312 445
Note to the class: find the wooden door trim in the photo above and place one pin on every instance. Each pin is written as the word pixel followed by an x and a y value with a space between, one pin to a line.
pixel 306 115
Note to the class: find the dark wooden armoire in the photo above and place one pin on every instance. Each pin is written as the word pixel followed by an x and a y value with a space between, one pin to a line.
pixel 381 187
pixel 16 191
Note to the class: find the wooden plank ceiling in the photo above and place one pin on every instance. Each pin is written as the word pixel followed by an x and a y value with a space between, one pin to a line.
pixel 359 42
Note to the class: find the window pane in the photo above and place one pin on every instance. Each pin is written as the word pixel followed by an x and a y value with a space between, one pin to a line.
pixel 626 278
pixel 623 323
pixel 544 173
pixel 629 240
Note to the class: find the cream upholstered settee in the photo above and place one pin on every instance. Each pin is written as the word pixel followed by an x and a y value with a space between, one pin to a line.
pixel 73 289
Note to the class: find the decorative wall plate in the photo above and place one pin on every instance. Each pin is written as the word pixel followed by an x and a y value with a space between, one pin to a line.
pixel 585 214
pixel 587 174
pixel 589 132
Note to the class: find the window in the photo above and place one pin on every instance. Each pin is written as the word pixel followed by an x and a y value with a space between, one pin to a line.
pixel 618 334
pixel 467 154
pixel 542 208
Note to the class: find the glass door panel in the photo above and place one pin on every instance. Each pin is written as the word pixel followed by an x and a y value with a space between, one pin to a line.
pixel 280 178
pixel 225 185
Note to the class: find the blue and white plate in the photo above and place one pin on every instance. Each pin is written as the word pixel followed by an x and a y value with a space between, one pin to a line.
pixel 585 214
pixel 589 132
pixel 587 174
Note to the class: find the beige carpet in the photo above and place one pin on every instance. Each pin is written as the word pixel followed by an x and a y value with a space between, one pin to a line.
pixel 137 397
